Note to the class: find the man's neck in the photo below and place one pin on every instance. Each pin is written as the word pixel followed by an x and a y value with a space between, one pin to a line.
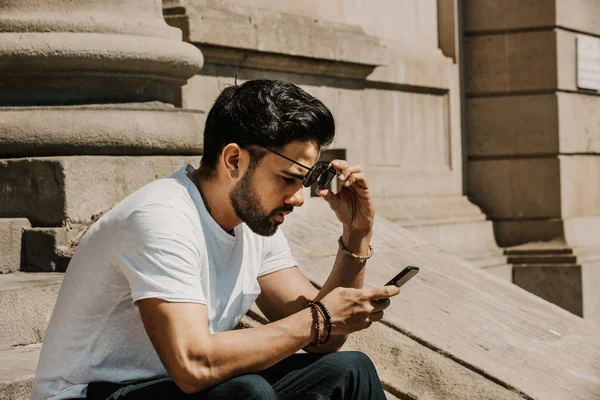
pixel 216 200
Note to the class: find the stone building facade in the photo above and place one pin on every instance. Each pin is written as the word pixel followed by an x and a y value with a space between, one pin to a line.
pixel 466 115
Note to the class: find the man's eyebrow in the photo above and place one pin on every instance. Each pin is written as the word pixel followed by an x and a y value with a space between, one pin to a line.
pixel 293 174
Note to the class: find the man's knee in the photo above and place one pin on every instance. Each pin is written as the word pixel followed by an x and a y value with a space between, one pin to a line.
pixel 355 362
pixel 249 386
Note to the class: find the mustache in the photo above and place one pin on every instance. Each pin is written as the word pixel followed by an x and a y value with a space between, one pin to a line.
pixel 286 208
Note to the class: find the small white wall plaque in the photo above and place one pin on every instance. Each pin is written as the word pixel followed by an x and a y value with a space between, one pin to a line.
pixel 588 62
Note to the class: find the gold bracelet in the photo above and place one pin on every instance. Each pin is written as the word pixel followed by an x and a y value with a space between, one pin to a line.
pixel 358 258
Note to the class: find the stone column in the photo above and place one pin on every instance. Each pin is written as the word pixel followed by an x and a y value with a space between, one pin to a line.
pixel 87 107
pixel 534 143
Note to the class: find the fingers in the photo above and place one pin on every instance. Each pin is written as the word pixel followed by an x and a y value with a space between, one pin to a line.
pixel 380 305
pixel 330 197
pixel 347 173
pixel 380 292
pixel 376 316
pixel 358 178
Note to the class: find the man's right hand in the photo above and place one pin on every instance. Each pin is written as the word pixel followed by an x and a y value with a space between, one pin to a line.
pixel 352 310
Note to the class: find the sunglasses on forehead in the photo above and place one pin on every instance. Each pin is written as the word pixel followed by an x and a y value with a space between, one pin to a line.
pixel 321 172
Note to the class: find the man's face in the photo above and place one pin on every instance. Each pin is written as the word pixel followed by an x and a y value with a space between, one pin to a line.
pixel 265 194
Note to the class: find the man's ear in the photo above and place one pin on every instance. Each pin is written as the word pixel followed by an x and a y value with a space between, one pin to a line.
pixel 232 158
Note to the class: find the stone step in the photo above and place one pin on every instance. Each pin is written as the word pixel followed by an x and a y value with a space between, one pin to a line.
pixel 26 303
pixel 17 370
pixel 11 233
pixel 72 199
pixel 557 258
pixel 523 250
pixel 47 249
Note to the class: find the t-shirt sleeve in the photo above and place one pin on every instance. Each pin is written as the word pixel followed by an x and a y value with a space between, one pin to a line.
pixel 158 253
pixel 277 254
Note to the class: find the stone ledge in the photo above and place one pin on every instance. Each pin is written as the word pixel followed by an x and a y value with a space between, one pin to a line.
pixel 50 131
pixel 11 234
pixel 26 303
pixel 504 15
pixel 54 191
pixel 243 37
pixel 17 370
pixel 66 51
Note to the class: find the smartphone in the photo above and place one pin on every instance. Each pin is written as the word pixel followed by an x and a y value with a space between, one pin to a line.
pixel 404 276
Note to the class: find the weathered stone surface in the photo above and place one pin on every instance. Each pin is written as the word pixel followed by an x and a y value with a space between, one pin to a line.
pixel 26 303
pixel 484 323
pixel 522 188
pixel 11 233
pixel 84 50
pixel 411 369
pixel 590 280
pixel 502 15
pixel 152 128
pixel 579 123
pixel 53 190
pixel 580 185
pixel 580 15
pixel 376 18
pixel 502 271
pixel 537 188
pixel 533 124
pixel 513 125
pixel 558 284
pixel 17 370
pixel 136 18
pixel 42 250
pixel 232 25
pixel 521 61
pixel 577 232
pixel 240 36
pixel 511 62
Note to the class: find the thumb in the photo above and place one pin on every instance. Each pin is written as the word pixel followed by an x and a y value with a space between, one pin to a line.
pixel 381 292
pixel 329 196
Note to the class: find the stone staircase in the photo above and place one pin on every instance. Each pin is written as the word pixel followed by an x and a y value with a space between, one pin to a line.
pixel 455 332
pixel 26 302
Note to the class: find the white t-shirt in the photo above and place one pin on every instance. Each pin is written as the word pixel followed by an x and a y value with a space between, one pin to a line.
pixel 158 242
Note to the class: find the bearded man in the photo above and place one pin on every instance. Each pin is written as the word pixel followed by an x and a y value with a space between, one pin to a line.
pixel 149 303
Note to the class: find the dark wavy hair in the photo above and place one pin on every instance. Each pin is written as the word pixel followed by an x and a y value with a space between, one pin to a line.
pixel 268 113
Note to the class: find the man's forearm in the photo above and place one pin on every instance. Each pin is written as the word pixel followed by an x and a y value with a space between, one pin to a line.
pixel 243 351
pixel 346 272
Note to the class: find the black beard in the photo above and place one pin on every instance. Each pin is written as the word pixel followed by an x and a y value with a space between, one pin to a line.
pixel 247 207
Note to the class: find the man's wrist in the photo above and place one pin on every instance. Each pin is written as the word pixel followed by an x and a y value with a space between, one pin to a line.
pixel 357 241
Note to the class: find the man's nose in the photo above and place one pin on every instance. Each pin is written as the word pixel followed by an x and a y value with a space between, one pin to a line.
pixel 297 199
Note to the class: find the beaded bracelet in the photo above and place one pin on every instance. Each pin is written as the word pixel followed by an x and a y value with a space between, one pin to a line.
pixel 327 317
pixel 359 258
pixel 316 324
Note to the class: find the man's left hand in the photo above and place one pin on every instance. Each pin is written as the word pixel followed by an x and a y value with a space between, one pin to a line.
pixel 352 204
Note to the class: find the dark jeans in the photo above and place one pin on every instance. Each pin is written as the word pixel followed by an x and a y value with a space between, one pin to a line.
pixel 342 375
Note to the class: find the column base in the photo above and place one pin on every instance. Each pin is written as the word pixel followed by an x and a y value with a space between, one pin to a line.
pixel 61 191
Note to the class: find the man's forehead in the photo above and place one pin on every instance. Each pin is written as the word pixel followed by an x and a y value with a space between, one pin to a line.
pixel 306 153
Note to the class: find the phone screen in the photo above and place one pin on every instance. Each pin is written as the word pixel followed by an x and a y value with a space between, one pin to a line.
pixel 404 276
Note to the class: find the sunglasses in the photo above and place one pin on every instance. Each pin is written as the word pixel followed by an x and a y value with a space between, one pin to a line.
pixel 321 172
